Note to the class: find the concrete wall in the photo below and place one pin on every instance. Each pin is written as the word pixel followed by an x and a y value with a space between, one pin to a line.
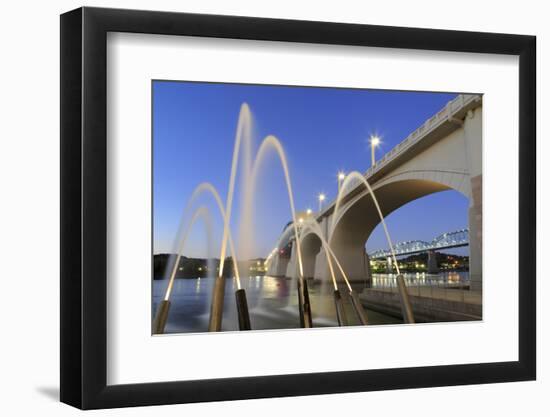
pixel 425 309
pixel 473 141
pixel 278 266
pixel 292 266
pixel 311 246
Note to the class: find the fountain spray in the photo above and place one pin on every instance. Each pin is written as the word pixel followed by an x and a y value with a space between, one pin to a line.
pixel 216 311
pixel 159 322
pixel 312 225
pixel 203 188
pixel 406 308
pixel 272 143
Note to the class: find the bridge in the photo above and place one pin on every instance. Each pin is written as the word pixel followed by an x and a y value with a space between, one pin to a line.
pixel 447 240
pixel 443 153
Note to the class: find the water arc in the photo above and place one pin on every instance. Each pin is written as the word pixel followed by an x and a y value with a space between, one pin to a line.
pixel 204 187
pixel 311 224
pixel 358 176
pixel 330 253
pixel 243 133
pixel 271 142
pixel 161 316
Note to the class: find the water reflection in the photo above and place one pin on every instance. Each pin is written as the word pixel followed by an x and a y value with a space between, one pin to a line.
pixel 445 279
pixel 272 303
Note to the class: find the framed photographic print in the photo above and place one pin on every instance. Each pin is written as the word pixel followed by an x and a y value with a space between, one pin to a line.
pixel 258 208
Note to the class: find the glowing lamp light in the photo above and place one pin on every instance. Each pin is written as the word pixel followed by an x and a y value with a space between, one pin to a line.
pixel 374 142
pixel 321 199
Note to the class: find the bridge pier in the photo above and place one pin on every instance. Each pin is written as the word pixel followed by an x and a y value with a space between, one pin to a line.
pixel 389 265
pixel 474 219
pixel 308 263
pixel 354 261
pixel 278 266
pixel 292 270
pixel 433 268
pixel 472 132
pixel 352 258
pixel 321 272
pixel 311 246
pixel 272 265
pixel 368 271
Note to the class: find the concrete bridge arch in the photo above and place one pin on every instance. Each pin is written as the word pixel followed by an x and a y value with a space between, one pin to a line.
pixel 444 153
pixel 356 220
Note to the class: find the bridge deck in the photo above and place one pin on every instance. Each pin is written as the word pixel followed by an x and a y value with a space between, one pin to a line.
pixel 423 137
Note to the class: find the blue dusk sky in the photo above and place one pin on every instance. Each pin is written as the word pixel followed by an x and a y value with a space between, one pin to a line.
pixel 323 131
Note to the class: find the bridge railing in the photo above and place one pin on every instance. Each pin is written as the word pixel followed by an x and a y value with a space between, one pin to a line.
pixel 439 118
pixel 443 115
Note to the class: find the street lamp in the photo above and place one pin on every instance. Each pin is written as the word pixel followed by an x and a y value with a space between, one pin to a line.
pixel 341 178
pixel 309 211
pixel 374 142
pixel 321 199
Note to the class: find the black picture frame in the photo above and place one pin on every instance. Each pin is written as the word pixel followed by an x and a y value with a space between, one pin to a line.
pixel 84 207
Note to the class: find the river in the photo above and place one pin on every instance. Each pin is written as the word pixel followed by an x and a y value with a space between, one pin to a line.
pixel 273 302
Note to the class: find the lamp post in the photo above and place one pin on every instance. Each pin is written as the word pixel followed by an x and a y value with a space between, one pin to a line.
pixel 321 199
pixel 341 178
pixel 374 142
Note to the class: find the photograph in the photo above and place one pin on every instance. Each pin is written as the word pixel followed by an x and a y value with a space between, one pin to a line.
pixel 301 207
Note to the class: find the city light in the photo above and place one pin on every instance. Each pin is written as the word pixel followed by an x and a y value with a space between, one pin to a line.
pixel 341 178
pixel 309 211
pixel 321 199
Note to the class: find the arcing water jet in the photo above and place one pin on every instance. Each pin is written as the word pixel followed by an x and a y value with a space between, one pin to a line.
pixel 404 296
pixel 161 317
pixel 313 226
